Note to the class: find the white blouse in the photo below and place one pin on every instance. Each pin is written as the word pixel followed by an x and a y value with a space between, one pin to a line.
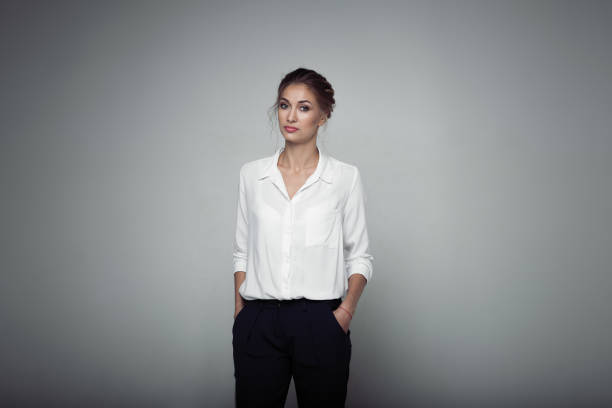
pixel 307 246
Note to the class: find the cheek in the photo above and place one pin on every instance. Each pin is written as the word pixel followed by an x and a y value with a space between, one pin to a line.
pixel 310 118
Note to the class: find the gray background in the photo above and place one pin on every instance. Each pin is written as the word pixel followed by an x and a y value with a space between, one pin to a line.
pixel 482 130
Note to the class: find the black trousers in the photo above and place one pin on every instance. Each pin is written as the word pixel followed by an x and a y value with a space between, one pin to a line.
pixel 275 340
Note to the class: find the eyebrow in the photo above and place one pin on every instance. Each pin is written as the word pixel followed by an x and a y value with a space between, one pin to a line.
pixel 303 100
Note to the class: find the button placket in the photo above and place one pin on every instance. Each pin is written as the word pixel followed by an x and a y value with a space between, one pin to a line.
pixel 287 244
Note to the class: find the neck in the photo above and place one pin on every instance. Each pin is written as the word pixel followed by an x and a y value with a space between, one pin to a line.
pixel 297 158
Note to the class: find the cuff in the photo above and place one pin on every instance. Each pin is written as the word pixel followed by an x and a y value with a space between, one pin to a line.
pixel 240 265
pixel 361 268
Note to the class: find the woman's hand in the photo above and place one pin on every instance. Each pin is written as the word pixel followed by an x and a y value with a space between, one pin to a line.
pixel 237 310
pixel 343 318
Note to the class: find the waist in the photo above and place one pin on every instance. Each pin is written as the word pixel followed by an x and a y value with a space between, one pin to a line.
pixel 289 302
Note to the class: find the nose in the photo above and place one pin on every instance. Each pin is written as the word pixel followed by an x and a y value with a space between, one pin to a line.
pixel 291 116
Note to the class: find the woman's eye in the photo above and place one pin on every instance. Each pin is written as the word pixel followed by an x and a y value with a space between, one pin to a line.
pixel 304 108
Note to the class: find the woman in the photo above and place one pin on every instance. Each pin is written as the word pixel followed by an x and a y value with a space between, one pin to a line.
pixel 301 244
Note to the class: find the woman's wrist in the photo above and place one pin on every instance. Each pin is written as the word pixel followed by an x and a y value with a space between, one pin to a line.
pixel 346 310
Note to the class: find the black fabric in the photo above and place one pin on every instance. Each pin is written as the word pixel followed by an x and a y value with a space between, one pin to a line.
pixel 276 340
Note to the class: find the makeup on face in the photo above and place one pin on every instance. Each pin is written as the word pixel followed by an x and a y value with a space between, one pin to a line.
pixel 298 113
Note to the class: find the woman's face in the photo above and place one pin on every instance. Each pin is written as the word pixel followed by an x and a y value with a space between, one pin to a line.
pixel 298 109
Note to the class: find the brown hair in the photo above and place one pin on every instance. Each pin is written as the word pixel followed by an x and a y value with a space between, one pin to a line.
pixel 315 82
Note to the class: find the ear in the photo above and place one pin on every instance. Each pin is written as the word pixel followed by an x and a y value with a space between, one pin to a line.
pixel 323 120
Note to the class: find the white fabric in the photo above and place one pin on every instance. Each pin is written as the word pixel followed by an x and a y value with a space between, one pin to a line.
pixel 307 246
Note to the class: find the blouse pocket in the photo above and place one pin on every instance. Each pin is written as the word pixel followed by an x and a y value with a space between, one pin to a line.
pixel 322 226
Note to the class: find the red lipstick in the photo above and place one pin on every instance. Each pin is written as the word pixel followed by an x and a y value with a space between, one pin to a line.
pixel 290 129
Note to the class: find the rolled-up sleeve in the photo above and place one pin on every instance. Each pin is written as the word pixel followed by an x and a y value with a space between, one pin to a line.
pixel 357 258
pixel 241 235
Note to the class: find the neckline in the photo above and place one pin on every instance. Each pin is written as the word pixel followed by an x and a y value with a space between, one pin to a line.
pixel 282 149
pixel 315 174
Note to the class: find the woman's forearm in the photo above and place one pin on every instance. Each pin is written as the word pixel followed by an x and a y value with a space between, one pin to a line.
pixel 356 284
pixel 239 277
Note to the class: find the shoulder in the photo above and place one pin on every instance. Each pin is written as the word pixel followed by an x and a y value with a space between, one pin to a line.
pixel 345 173
pixel 252 169
pixel 253 166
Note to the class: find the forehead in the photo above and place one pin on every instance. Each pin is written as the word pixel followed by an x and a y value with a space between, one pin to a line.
pixel 298 92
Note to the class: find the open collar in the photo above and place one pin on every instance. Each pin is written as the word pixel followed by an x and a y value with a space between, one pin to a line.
pixel 323 171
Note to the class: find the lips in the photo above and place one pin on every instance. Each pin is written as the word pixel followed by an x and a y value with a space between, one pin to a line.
pixel 290 129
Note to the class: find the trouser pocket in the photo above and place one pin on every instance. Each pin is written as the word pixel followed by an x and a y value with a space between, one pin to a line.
pixel 332 344
pixel 243 325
